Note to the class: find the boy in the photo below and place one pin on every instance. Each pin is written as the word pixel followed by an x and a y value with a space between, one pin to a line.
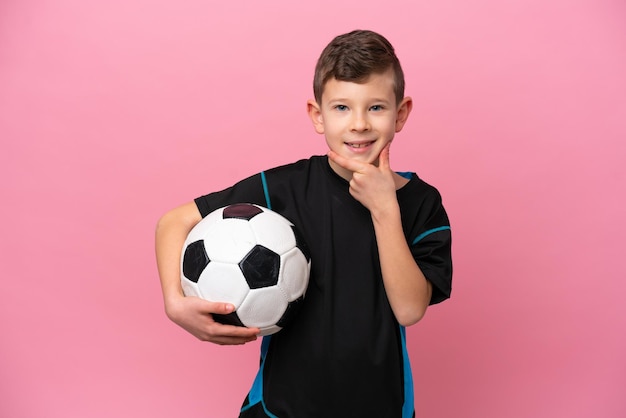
pixel 380 248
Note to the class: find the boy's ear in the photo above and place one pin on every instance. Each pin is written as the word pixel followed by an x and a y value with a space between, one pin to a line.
pixel 404 109
pixel 315 113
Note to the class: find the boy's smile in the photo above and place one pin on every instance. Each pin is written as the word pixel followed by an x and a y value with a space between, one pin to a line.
pixel 359 119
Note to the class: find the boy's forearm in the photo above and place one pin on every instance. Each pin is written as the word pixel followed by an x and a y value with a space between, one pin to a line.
pixel 171 232
pixel 407 289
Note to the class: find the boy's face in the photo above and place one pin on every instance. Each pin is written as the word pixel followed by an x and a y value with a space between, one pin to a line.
pixel 359 119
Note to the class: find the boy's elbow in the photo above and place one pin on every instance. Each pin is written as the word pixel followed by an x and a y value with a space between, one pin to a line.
pixel 185 216
pixel 411 316
pixel 165 220
pixel 162 225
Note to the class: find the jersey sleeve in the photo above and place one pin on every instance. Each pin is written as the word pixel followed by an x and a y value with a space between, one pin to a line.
pixel 249 190
pixel 431 246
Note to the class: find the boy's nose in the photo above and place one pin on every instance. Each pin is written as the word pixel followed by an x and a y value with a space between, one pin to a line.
pixel 360 122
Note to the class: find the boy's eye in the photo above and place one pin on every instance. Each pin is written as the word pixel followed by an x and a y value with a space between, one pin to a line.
pixel 341 108
pixel 376 108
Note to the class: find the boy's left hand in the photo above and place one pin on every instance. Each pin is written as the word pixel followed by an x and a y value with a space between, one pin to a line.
pixel 373 186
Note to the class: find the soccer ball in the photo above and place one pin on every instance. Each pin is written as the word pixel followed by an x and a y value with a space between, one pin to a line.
pixel 251 257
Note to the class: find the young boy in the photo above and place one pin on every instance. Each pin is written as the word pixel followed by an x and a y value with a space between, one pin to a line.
pixel 380 248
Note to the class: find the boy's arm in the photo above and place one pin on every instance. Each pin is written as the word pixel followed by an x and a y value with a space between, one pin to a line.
pixel 191 313
pixel 407 289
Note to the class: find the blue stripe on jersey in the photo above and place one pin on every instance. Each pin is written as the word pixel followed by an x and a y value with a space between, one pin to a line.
pixel 405 174
pixel 256 393
pixel 430 231
pixel 268 203
pixel 408 408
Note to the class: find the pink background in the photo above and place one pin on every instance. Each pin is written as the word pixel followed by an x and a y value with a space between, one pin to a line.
pixel 112 112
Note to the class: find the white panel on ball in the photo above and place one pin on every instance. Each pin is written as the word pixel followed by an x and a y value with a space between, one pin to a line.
pixel 293 265
pixel 273 231
pixel 190 288
pixel 263 307
pixel 199 231
pixel 231 240
pixel 221 282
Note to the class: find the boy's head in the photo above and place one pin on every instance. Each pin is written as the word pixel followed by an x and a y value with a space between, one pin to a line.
pixel 354 57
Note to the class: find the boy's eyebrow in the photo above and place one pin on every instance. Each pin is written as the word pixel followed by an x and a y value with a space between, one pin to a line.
pixel 345 99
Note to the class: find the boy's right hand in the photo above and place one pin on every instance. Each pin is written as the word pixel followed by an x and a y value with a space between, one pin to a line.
pixel 194 315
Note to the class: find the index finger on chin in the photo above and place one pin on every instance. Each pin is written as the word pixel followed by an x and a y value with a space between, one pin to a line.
pixel 344 162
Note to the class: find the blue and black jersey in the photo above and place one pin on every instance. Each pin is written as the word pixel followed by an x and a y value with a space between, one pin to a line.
pixel 344 355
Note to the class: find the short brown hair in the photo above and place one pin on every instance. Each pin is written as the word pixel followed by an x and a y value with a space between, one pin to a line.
pixel 354 57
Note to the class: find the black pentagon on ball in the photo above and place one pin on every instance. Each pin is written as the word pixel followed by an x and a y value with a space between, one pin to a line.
pixel 195 260
pixel 260 267
pixel 245 211
pixel 228 319
pixel 290 312
pixel 301 244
